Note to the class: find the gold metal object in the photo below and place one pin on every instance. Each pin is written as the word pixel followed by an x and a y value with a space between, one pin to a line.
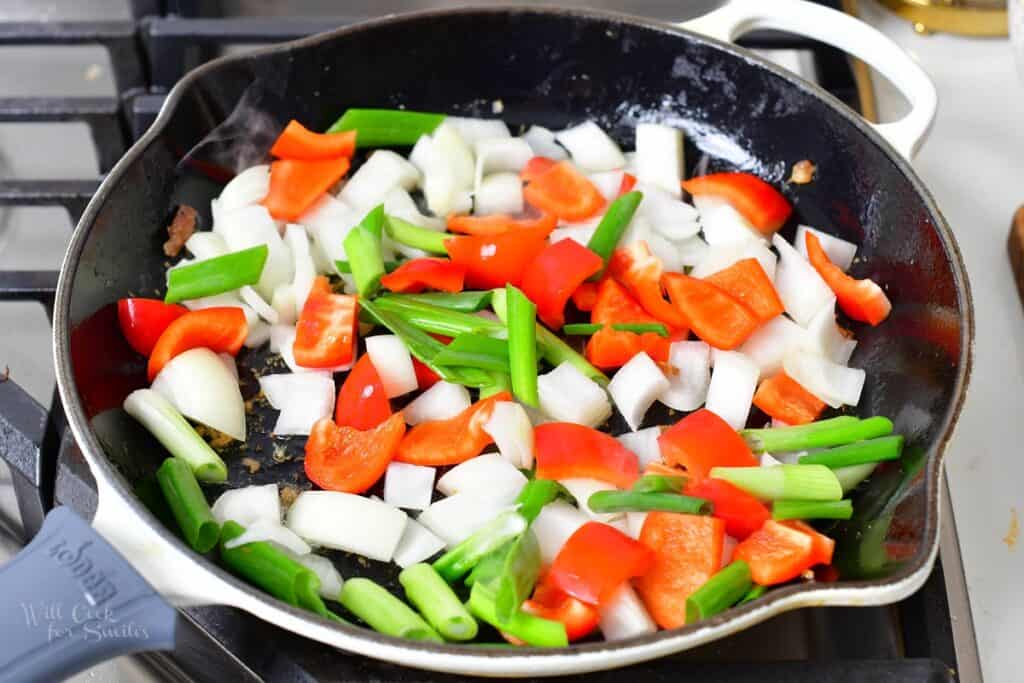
pixel 963 17
pixel 862 75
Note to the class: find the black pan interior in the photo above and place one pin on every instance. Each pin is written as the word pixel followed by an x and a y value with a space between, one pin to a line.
pixel 552 68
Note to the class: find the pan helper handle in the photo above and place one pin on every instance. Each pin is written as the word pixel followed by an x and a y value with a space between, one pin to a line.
pixel 68 600
pixel 736 17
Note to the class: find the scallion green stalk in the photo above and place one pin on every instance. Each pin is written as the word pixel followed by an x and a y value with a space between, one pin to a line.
pixel 532 630
pixel 216 275
pixel 518 576
pixel 812 509
pixel 467 302
pixel 414 236
pixel 362 246
pixel 454 564
pixel 436 601
pixel 475 351
pixel 383 611
pixel 612 226
pixel 436 319
pixel 659 483
pixel 387 127
pixel 850 477
pixel 581 329
pixel 345 267
pixel 498 383
pixel 489 566
pixel 858 453
pixel 641 328
pixel 631 501
pixel 187 502
pixel 795 482
pixel 824 434
pixel 522 345
pixel 720 592
pixel 535 495
pixel 753 594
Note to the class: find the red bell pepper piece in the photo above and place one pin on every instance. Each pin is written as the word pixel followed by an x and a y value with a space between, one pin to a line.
pixel 627 184
pixel 862 300
pixel 350 460
pixel 535 168
pixel 220 329
pixel 554 275
pixel 609 348
pixel 640 272
pixel 566 193
pixel 498 224
pixel 551 602
pixel 776 553
pixel 426 273
pixel 822 546
pixel 144 320
pixel 362 403
pixel 713 315
pixel 758 202
pixel 325 335
pixel 494 260
pixel 784 399
pixel 451 441
pixel 565 450
pixel 425 377
pixel 687 552
pixel 702 440
pixel 585 296
pixel 747 282
pixel 595 561
pixel 295 184
pixel 298 142
pixel 742 513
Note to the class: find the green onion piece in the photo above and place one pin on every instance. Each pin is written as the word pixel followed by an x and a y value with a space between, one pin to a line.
pixel 631 501
pixel 499 382
pixel 414 236
pixel 522 346
pixel 188 503
pixel 796 482
pixel 345 268
pixel 850 477
pixel 216 275
pixel 753 594
pixel 535 495
pixel 383 611
pixel 475 351
pixel 467 302
pixel 263 564
pixel 362 246
pixel 659 483
pixel 518 576
pixel 641 328
pixel 175 434
pixel 386 127
pixel 858 453
pixel 612 226
pixel 581 329
pixel 438 320
pixel 812 509
pixel 824 434
pixel 152 496
pixel 532 630
pixel 552 348
pixel 489 566
pixel 436 601
pixel 454 564
pixel 720 592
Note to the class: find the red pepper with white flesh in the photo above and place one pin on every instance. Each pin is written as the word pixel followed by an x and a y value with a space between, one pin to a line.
pixel 348 459
pixel 595 561
pixel 220 329
pixel 703 440
pixel 493 261
pixel 416 275
pixel 640 272
pixel 550 602
pixel 564 450
pixel 554 275
pixel 451 441
pixel 142 321
pixel 362 403
pixel 325 335
pixel 862 300
pixel 760 203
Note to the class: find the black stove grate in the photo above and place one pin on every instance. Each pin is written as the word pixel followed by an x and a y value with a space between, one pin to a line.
pixel 911 641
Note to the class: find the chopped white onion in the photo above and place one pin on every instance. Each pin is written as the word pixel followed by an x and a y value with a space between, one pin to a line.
pixel 635 387
pixel 825 337
pixel 608 183
pixel 248 187
pixel 578 232
pixel 732 387
pixel 512 431
pixel 272 532
pixel 668 215
pixel 279 335
pixel 283 302
pixel 635 523
pixel 303 399
pixel 329 220
pixel 418 543
pixel 501 154
pixel 408 486
pixel 447 164
pixel 542 142
pixel 380 174
pixel 624 615
pixel 393 363
pixel 456 517
pixel 204 245
pixel 264 310
pixel 728 546
pixel 567 395
pixel 202 389
pixel 488 475
pixel 582 488
pixel 630 166
pixel 330 579
pixel 722 223
pixel 305 271
pixel 692 251
pixel 688 384
pixel 346 521
pixel 832 383
pixel 590 147
pixel 644 443
pixel 248 505
pixel 229 363
pixel 259 333
pixel 659 157
pixel 400 203
pixel 499 193
pixel 442 401
pixel 801 289
pixel 770 343
pixel 722 256
pixel 472 129
pixel 666 251
pixel 252 226
pixel 554 525
pixel 839 251
pixel 768 460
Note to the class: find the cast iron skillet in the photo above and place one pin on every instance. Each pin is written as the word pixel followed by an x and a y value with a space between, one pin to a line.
pixel 547 66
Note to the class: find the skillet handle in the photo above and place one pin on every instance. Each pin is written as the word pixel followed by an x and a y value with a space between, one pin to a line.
pixel 69 600
pixel 840 30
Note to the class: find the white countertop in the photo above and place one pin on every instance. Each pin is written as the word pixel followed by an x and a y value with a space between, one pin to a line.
pixel 973 162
